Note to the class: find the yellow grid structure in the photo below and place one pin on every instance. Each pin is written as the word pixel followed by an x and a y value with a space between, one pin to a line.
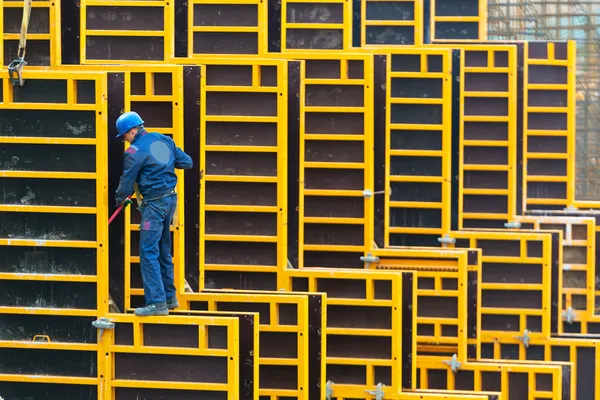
pixel 512 250
pixel 458 18
pixel 324 26
pixel 339 101
pixel 271 325
pixel 36 36
pixel 549 126
pixel 424 165
pixel 566 349
pixel 111 349
pixel 11 101
pixel 232 19
pixel 129 18
pixel 543 380
pixel 492 158
pixel 274 156
pixel 366 292
pixel 390 19
pixel 577 278
pixel 443 295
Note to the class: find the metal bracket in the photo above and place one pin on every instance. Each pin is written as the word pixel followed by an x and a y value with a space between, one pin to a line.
pixel 15 72
pixel 454 363
pixel 378 392
pixel 328 390
pixel 369 259
pixel 525 338
pixel 447 240
pixel 513 225
pixel 102 324
pixel 37 338
pixel 569 315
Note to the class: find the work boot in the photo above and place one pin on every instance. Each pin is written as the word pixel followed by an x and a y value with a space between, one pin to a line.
pixel 152 310
pixel 172 303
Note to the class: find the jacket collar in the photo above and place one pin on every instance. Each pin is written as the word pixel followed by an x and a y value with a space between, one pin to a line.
pixel 140 133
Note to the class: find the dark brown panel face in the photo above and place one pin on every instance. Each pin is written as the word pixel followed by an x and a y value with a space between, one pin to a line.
pixel 42 391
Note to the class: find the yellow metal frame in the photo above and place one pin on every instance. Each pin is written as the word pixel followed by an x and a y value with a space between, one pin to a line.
pixel 547 345
pixel 53 37
pixel 481 19
pixel 354 391
pixel 274 301
pixel 504 368
pixel 445 153
pixel 345 26
pixel 416 23
pixel 544 287
pixel 431 394
pixel 511 144
pixel 569 133
pixel 260 29
pixel 588 268
pixel 231 354
pixel 441 266
pixel 99 176
pixel 282 170
pixel 367 165
pixel 166 33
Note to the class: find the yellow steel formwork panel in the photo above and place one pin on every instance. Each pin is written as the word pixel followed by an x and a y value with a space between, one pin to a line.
pixel 514 379
pixel 447 294
pixel 516 281
pixel 549 125
pixel 243 162
pixel 227 28
pixel 583 353
pixel 284 336
pixel 488 136
pixel 43 44
pixel 308 25
pixel 336 160
pixel 458 20
pixel 589 209
pixel 369 328
pixel 126 31
pixel 392 22
pixel 171 356
pixel 418 146
pixel 54 205
pixel 451 394
pixel 577 276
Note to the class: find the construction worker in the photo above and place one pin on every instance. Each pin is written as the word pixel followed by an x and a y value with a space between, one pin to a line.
pixel 149 169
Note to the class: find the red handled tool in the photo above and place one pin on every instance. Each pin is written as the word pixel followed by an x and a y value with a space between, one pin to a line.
pixel 118 210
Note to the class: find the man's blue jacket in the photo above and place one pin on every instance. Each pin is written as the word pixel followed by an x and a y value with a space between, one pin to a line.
pixel 150 161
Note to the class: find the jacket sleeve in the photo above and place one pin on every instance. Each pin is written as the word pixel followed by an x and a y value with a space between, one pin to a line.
pixel 182 160
pixel 131 168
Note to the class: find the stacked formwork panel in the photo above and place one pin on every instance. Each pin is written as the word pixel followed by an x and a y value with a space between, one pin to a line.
pixel 54 241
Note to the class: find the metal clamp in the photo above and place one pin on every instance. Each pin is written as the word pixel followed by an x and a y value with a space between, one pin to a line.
pixel 453 363
pixel 369 259
pixel 367 194
pixel 45 338
pixel 102 324
pixel 328 390
pixel 378 392
pixel 513 225
pixel 15 72
pixel 525 338
pixel 447 240
pixel 569 315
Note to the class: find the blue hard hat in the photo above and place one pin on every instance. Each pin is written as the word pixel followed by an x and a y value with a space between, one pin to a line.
pixel 127 121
